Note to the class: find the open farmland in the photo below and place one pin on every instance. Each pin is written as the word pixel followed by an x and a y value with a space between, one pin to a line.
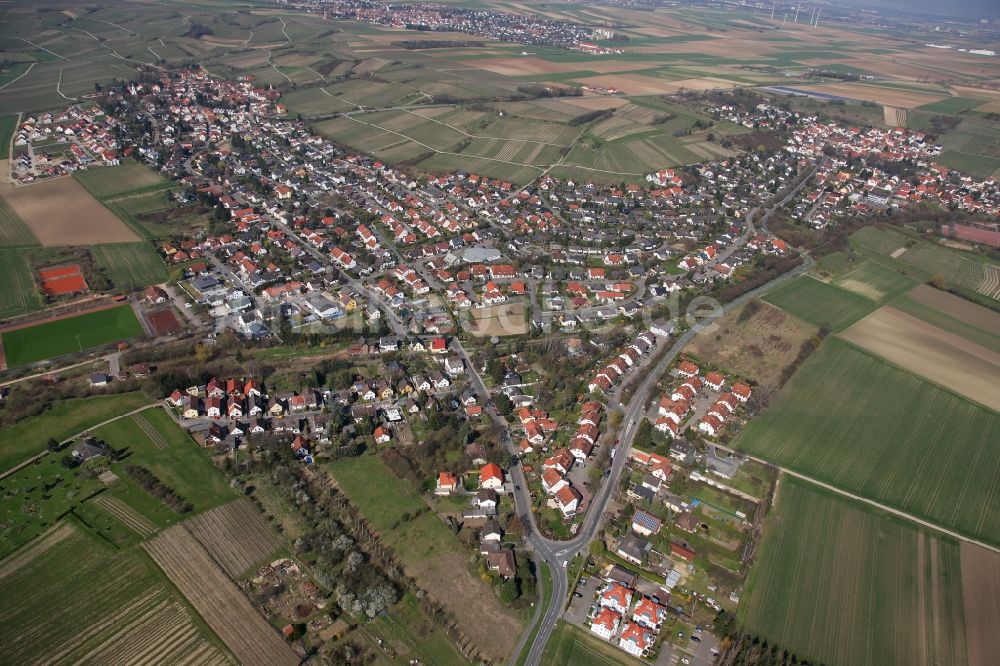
pixel 19 293
pixel 427 551
pixel 68 598
pixel 839 583
pixel 953 314
pixel 218 600
pixel 944 358
pixel 820 303
pixel 13 230
pixel 852 420
pixel 64 336
pixel 757 341
pixel 131 265
pixel 236 535
pixel 981 585
pixel 104 182
pixel 875 282
pixel 53 211
pixel 571 646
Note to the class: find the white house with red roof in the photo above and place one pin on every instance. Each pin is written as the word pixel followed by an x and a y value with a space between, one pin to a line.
pixel 617 597
pixel 491 476
pixel 635 639
pixel 606 623
pixel 447 483
pixel 568 499
pixel 649 614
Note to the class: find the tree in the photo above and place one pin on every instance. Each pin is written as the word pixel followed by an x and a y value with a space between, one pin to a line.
pixel 509 591
pixel 53 446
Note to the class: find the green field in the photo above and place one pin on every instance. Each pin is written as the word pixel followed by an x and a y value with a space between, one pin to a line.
pixel 836 582
pixel 65 336
pixel 820 303
pixel 852 420
pixel 952 105
pixel 8 125
pixel 66 418
pixel 571 646
pixel 19 293
pixel 980 335
pixel 69 597
pixel 104 182
pixel 173 457
pixel 131 265
pixel 875 282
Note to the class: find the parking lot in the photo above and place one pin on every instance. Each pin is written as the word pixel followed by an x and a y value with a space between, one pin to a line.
pixel 579 606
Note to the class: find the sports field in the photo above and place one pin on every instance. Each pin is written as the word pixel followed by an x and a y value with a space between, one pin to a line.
pixel 428 551
pixel 852 420
pixel 19 293
pixel 131 265
pixel 836 582
pixel 73 334
pixel 68 597
pixel 820 303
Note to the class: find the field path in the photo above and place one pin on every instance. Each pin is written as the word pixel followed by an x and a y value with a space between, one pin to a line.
pixel 14 81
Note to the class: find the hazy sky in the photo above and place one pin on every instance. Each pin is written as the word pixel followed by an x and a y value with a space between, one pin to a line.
pixel 959 8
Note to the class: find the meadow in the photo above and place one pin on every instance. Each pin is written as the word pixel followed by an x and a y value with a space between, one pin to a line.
pixel 427 551
pixel 852 420
pixel 130 265
pixel 73 334
pixel 62 420
pixel 837 582
pixel 68 597
pixel 820 303
pixel 19 294
pixel 875 282
pixel 570 645
pixel 129 176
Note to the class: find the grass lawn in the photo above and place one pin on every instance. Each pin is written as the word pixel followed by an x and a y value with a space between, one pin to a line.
pixel 28 437
pixel 181 465
pixel 839 583
pixel 69 597
pixel 103 182
pixel 131 265
pixel 852 420
pixel 65 336
pixel 820 303
pixel 19 293
pixel 572 646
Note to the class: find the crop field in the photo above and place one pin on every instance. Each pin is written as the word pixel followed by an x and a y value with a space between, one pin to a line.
pixel 13 230
pixel 19 293
pixel 820 303
pixel 68 598
pixel 8 124
pixel 104 182
pixel 953 314
pixel 922 260
pixel 217 599
pixel 426 550
pixel 155 442
pixel 64 336
pixel 53 209
pixel 571 646
pixel 62 420
pixel 758 344
pixel 852 420
pixel 875 282
pixel 131 265
pixel 981 585
pixel 236 536
pixel 944 358
pixel 839 583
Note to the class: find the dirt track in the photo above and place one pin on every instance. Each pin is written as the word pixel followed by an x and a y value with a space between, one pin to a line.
pixel 61 212
pixel 944 358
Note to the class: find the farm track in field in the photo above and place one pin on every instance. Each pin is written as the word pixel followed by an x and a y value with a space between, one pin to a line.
pixel 126 515
pixel 150 431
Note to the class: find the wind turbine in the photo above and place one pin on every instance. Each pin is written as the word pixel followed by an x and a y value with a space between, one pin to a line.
pixel 797 8
pixel 816 22
pixel 773 7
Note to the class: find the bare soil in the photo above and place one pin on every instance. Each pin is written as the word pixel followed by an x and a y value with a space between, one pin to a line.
pixel 62 212
pixel 502 319
pixel 981 599
pixel 957 307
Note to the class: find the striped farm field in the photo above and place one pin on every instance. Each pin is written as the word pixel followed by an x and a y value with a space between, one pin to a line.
pixel 876 282
pixel 125 514
pixel 69 598
pixel 854 421
pixel 131 265
pixel 217 599
pixel 236 535
pixel 13 230
pixel 838 582
pixel 19 293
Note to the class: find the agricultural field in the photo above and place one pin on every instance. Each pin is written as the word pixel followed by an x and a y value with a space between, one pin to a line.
pixel 571 646
pixel 944 358
pixel 8 124
pixel 52 210
pixel 62 420
pixel 131 265
pixel 129 176
pixel 152 440
pixel 840 583
pixel 981 586
pixel 427 551
pixel 236 536
pixel 72 334
pixel 852 420
pixel 820 303
pixel 875 282
pixel 756 341
pixel 953 314
pixel 19 294
pixel 13 230
pixel 217 599
pixel 922 260
pixel 90 603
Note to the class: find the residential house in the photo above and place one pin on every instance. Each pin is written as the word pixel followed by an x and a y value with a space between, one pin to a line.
pixel 447 483
pixel 606 623
pixel 491 476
